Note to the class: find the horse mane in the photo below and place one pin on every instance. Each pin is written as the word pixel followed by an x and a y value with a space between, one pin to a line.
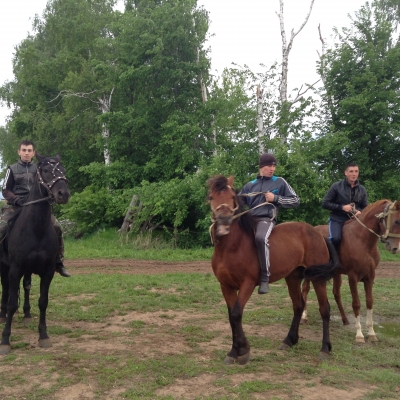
pixel 218 183
pixel 371 208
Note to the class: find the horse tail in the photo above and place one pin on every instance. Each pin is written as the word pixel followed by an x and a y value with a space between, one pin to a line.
pixel 325 271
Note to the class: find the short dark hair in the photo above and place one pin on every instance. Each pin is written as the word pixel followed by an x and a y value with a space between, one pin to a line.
pixel 26 143
pixel 351 164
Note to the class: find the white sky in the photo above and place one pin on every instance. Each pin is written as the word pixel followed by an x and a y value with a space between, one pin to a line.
pixel 246 32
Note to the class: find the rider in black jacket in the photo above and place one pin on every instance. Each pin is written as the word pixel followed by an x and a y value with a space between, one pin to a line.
pixel 16 187
pixel 342 199
pixel 278 193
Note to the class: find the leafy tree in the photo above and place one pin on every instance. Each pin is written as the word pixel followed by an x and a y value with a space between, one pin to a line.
pixel 361 75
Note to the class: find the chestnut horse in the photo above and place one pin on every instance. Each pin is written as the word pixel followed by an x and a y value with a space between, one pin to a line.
pixel 359 256
pixel 297 251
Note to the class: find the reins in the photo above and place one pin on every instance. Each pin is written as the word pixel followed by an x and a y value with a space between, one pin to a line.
pixel 387 212
pixel 236 208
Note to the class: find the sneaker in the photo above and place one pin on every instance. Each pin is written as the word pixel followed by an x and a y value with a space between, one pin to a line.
pixel 263 288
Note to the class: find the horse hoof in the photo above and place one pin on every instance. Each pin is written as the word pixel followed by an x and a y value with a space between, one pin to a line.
pixel 45 343
pixel 360 340
pixel 4 349
pixel 346 322
pixel 244 358
pixel 323 356
pixel 373 338
pixel 304 321
pixel 283 346
pixel 26 321
pixel 229 360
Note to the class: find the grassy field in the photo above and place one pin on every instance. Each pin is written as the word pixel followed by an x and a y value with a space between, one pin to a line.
pixel 110 244
pixel 165 336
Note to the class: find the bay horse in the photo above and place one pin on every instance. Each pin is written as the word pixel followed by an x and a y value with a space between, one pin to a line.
pixel 31 244
pixel 359 255
pixel 297 250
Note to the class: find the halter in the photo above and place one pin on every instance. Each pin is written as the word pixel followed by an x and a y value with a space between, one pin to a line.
pixel 213 220
pixel 48 185
pixel 387 212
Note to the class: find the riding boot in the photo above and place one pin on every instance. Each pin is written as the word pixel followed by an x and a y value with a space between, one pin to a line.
pixel 263 288
pixel 60 258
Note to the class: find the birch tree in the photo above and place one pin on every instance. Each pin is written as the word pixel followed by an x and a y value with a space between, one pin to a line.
pixel 286 103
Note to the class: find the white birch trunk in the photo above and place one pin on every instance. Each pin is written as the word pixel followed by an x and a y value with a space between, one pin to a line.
pixel 105 106
pixel 260 120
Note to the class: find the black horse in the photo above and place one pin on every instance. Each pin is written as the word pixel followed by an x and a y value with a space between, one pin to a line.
pixel 31 245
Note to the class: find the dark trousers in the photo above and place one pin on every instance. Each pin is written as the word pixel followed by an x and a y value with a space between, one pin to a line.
pixel 263 230
pixel 335 231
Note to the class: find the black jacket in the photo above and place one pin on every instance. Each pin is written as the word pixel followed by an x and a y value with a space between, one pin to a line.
pixel 18 181
pixel 284 195
pixel 340 194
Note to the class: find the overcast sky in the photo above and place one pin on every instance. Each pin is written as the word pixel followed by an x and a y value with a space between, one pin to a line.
pixel 245 32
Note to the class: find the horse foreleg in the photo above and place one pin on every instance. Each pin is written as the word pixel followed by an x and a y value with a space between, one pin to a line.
pixel 44 340
pixel 240 351
pixel 337 283
pixel 12 306
pixel 368 283
pixel 353 282
pixel 294 287
pixel 324 310
pixel 4 294
pixel 305 289
pixel 26 283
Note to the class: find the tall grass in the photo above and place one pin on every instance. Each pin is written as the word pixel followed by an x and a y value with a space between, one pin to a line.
pixel 146 246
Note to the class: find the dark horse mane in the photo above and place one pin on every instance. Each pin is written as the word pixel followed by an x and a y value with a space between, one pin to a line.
pixel 247 222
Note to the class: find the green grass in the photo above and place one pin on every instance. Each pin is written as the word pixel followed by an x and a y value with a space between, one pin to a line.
pixel 139 357
pixel 110 244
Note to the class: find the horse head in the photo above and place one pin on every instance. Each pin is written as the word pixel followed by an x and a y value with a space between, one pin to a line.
pixel 223 202
pixel 390 226
pixel 51 175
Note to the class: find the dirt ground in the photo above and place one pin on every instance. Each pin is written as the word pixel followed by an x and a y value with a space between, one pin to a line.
pixel 129 266
pixel 116 330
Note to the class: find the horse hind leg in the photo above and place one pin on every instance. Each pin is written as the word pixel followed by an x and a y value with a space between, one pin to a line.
pixel 27 283
pixel 305 289
pixel 324 309
pixel 44 340
pixel 294 287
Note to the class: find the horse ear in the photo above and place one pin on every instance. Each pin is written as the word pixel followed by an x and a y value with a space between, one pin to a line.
pixel 397 205
pixel 230 181
pixel 58 157
pixel 39 158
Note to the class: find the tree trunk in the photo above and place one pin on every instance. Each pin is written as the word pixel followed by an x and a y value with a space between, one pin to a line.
pixel 128 216
pixel 286 47
pixel 260 121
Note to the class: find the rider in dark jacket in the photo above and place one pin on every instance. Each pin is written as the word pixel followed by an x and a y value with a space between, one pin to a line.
pixel 16 187
pixel 278 193
pixel 342 199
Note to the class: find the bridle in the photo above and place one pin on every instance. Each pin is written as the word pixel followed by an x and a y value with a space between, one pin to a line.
pixel 48 185
pixel 214 216
pixel 385 219
pixel 387 212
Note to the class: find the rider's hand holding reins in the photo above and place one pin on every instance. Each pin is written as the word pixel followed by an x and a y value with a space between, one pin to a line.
pixel 269 196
